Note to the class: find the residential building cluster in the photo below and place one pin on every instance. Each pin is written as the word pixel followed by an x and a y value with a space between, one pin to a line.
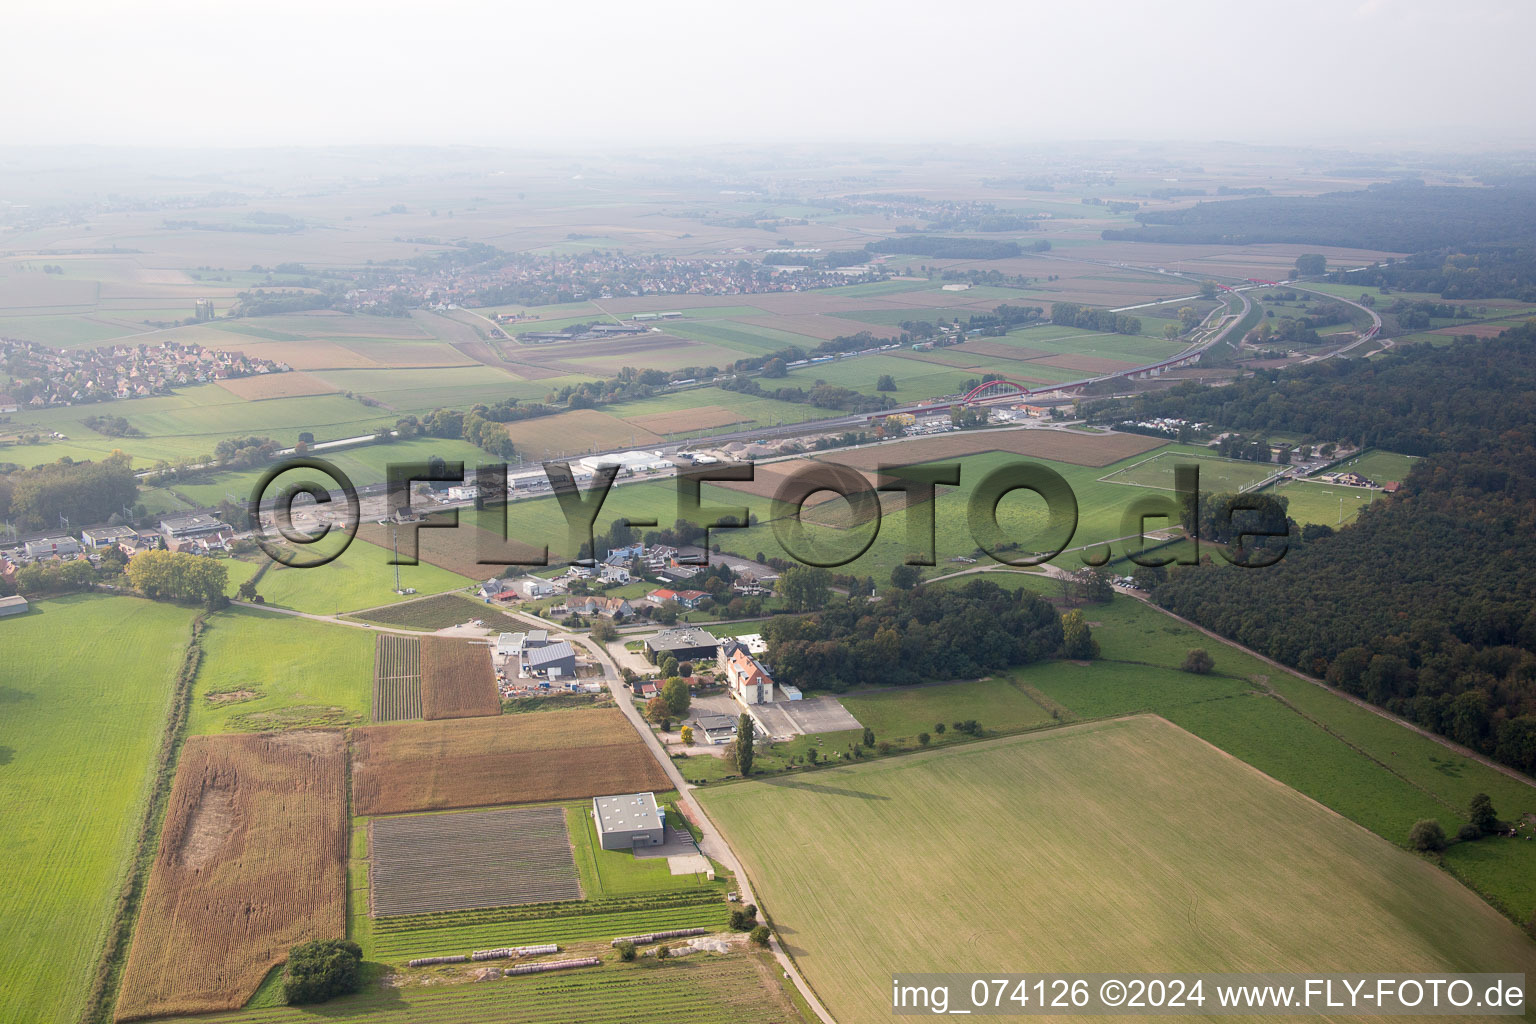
pixel 44 376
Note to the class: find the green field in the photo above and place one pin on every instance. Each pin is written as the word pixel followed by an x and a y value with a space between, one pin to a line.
pixel 1141 847
pixel 361 578
pixel 1378 465
pixel 898 715
pixel 1330 504
pixel 1219 476
pixel 1368 768
pixel 441 611
pixel 84 690
pixel 302 673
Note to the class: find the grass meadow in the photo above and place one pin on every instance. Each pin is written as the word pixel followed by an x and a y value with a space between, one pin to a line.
pixel 1127 842
pixel 84 691
pixel 266 670
pixel 361 578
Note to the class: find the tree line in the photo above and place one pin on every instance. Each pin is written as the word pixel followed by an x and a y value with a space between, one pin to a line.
pixel 1427 604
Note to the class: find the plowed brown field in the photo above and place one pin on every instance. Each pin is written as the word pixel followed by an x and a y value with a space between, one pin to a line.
pixel 512 759
pixel 457 680
pixel 252 861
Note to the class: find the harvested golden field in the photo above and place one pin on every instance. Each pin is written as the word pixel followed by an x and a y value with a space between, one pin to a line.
pixel 511 759
pixel 303 355
pixel 577 430
pixel 702 418
pixel 252 861
pixel 1056 445
pixel 457 680
pixel 276 385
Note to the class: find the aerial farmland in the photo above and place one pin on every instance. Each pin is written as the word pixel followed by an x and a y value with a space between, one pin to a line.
pixel 515 580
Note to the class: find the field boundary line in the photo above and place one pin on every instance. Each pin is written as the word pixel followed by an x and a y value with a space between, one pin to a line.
pixel 1445 742
pixel 102 1001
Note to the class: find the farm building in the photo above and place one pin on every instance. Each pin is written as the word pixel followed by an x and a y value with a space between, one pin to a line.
pixel 106 536
pixel 12 606
pixel 552 661
pixel 685 643
pixel 625 822
pixel 51 546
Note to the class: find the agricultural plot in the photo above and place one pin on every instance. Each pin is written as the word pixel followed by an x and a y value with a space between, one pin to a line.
pixel 457 680
pixel 898 715
pixel 425 864
pixel 439 612
pixel 512 759
pixel 361 578
pixel 1220 476
pixel 263 671
pixel 1200 862
pixel 574 433
pixel 688 420
pixel 276 385
pixel 252 861
pixel 736 989
pixel 78 737
pixel 396 678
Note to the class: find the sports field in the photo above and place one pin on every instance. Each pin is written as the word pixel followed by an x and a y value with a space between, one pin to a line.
pixel 79 731
pixel 1219 476
pixel 1126 842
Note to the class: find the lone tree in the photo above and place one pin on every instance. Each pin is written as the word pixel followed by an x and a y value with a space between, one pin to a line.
pixel 658 713
pixel 923 739
pixel 1482 815
pixel 869 736
pixel 626 951
pixel 1076 638
pixel 1198 661
pixel 759 936
pixel 744 745
pixel 686 736
pixel 319 970
pixel 885 383
pixel 604 631
pixel 1427 835
pixel 905 577
pixel 675 693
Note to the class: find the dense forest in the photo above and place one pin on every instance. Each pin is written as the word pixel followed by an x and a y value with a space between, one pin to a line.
pixel 1399 217
pixel 912 635
pixel 1475 272
pixel 1427 605
pixel 80 492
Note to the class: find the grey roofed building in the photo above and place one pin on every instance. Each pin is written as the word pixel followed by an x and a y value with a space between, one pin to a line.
pixel 50 546
pixel 537 638
pixel 683 643
pixel 555 660
pixel 625 822
pixel 717 728
pixel 106 536
pixel 12 606
pixel 191 526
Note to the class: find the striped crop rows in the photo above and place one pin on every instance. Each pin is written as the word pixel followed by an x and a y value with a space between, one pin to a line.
pixel 396 678
pixel 428 863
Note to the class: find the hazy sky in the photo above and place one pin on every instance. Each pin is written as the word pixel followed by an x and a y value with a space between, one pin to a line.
pixel 1399 72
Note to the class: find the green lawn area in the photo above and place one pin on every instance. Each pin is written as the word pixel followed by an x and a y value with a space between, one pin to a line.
pixel 1368 768
pixel 85 688
pixel 1379 465
pixel 1308 501
pixel 361 578
pixel 304 673
pixel 1217 475
pixel 606 873
pixel 1201 862
pixel 898 715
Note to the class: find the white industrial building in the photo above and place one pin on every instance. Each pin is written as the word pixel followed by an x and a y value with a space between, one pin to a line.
pixel 628 462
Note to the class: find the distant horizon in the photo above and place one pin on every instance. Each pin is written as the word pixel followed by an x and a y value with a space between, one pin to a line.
pixel 1367 73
